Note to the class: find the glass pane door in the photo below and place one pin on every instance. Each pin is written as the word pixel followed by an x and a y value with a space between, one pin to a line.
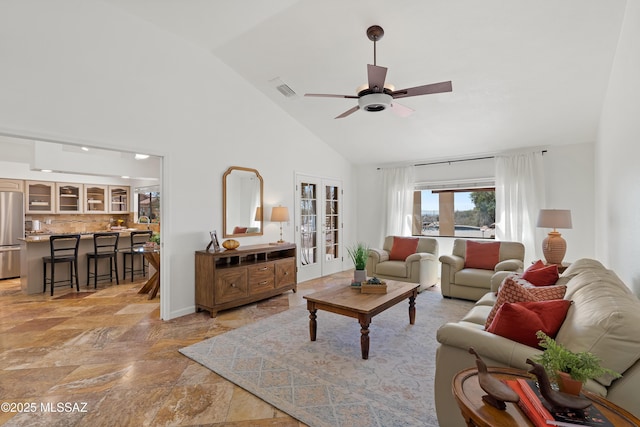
pixel 332 260
pixel 308 228
pixel 318 227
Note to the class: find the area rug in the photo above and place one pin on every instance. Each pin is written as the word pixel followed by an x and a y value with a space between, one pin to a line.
pixel 326 382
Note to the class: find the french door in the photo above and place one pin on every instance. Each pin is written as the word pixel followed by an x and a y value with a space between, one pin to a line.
pixel 318 226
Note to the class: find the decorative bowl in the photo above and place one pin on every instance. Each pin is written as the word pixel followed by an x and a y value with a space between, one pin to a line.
pixel 230 244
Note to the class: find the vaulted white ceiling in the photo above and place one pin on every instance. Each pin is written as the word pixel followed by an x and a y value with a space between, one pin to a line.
pixel 524 73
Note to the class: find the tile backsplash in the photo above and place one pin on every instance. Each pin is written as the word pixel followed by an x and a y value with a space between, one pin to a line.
pixel 83 223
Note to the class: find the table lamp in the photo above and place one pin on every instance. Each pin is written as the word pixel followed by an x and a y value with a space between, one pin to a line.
pixel 554 246
pixel 280 214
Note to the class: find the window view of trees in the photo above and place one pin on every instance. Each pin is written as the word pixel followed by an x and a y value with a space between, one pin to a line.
pixel 149 206
pixel 456 213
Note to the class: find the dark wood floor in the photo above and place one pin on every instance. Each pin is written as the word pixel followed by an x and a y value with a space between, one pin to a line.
pixel 108 359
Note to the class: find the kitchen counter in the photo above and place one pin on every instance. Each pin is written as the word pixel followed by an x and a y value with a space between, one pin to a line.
pixel 35 246
pixel 44 237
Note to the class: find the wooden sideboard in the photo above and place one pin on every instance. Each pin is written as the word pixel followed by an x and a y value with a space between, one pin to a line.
pixel 231 278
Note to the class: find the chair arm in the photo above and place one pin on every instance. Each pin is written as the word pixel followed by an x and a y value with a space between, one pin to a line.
pixel 456 262
pixel 378 255
pixel 420 256
pixel 514 265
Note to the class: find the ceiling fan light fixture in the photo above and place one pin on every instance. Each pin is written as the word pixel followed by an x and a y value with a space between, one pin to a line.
pixel 375 102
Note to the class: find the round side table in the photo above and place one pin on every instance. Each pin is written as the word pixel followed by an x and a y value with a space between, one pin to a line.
pixel 476 413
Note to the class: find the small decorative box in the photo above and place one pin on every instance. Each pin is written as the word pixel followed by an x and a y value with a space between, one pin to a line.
pixel 367 288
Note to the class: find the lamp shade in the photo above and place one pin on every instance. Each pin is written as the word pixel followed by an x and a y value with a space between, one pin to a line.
pixel 258 216
pixel 554 218
pixel 280 214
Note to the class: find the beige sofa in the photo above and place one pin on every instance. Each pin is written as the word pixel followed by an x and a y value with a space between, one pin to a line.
pixel 456 281
pixel 603 319
pixel 420 267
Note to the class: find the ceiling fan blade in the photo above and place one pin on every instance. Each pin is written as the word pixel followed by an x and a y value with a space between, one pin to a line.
pixel 423 90
pixel 348 112
pixel 401 110
pixel 376 77
pixel 326 95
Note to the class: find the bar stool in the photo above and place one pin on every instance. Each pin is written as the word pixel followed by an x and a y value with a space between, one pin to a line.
pixel 105 245
pixel 138 239
pixel 64 248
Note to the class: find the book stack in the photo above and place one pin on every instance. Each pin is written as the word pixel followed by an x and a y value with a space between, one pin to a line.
pixel 542 415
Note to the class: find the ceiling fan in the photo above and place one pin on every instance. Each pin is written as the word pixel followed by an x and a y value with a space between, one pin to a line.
pixel 378 96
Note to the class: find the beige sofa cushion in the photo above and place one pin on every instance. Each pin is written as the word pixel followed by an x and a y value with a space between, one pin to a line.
pixel 603 319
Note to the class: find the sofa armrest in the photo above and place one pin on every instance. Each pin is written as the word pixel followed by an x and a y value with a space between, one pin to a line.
pixel 420 256
pixel 375 257
pixel 455 262
pixel 503 350
pixel 514 265
pixel 498 277
pixel 378 255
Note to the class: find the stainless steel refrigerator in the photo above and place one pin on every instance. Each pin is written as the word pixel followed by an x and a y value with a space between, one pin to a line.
pixel 11 228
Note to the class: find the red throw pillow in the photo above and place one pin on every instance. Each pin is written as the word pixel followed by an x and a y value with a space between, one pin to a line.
pixel 511 291
pixel 484 255
pixel 541 275
pixel 403 247
pixel 239 230
pixel 521 320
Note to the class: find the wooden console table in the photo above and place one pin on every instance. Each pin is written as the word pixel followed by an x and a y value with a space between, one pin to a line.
pixel 231 278
pixel 476 413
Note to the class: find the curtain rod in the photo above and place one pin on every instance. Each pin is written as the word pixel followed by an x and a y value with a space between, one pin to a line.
pixel 444 162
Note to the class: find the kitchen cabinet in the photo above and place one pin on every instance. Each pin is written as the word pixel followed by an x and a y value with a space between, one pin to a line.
pixel 40 197
pixel 11 185
pixel 231 278
pixel 118 199
pixel 95 198
pixel 69 197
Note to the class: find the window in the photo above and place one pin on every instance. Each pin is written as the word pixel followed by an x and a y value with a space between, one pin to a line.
pixel 455 213
pixel 148 204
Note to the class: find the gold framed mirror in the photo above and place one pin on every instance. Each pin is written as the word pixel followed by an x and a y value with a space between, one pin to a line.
pixel 242 202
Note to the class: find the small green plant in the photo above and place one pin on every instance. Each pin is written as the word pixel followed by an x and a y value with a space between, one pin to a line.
pixel 581 366
pixel 359 254
pixel 155 238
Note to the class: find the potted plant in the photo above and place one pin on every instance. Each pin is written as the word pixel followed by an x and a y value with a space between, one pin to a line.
pixel 563 365
pixel 359 254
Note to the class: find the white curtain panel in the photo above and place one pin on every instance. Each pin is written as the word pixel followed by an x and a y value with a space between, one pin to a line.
pixel 398 185
pixel 519 197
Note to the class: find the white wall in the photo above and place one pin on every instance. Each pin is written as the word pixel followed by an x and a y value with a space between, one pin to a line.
pixel 569 181
pixel 80 70
pixel 617 153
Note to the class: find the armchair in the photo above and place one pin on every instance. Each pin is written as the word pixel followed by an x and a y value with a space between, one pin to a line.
pixel 420 266
pixel 461 279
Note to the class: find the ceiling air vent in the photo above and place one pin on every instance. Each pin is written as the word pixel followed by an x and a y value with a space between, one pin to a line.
pixel 282 87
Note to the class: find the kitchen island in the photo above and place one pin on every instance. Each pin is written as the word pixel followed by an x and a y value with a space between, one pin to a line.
pixel 36 246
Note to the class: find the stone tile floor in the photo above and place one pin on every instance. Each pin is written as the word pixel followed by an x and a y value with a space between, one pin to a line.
pixel 104 358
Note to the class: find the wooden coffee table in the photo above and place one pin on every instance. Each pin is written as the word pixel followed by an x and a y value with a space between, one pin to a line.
pixel 476 413
pixel 348 301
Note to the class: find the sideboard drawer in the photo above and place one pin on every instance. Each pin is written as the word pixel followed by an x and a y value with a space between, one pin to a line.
pixel 261 277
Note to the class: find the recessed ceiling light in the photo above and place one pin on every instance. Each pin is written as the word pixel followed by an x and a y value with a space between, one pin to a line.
pixel 141 156
pixel 46 170
pixel 124 177
pixel 85 149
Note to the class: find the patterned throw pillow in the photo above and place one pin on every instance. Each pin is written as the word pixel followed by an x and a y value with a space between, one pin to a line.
pixel 511 291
